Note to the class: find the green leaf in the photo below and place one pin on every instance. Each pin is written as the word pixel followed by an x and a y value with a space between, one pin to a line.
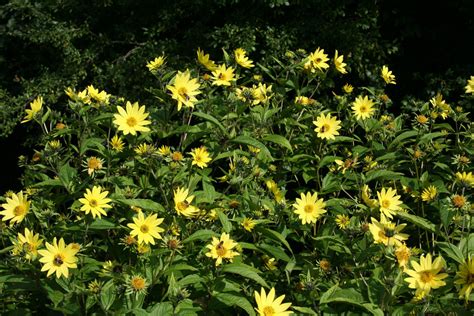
pixel 101 223
pixel 226 224
pixel 430 136
pixel 145 204
pixel 161 309
pixel 246 271
pixel 304 310
pixel 451 251
pixel 202 234
pixel 211 119
pixel 190 279
pixel 107 294
pixel 349 296
pixel 274 235
pixel 242 139
pixel 90 143
pixel 381 175
pixel 66 175
pixel 401 137
pixel 279 140
pixel 276 252
pixel 342 139
pixel 418 221
pixel 234 299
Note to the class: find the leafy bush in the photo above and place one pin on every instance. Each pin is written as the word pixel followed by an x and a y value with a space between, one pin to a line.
pixel 244 181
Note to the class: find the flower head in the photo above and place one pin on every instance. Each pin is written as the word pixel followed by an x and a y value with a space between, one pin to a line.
pixel 465 178
pixel 470 85
pixel 389 202
pixel 146 229
pixel 261 93
pixel 117 143
pixel 327 126
pixel 164 150
pixel 200 157
pixel 136 284
pixel 35 107
pixel 242 59
pixel 94 94
pixel 248 224
pixel 221 249
pixel 27 244
pixel 402 253
pixel 386 232
pixel 304 100
pixel 267 304
pixel 16 208
pixel 318 60
pixel 425 275
pixel 363 107
pixel 387 75
pixel 155 64
pixel 93 164
pixel 95 202
pixel 223 76
pixel 339 63
pixel 184 89
pixel 132 120
pixel 342 221
pixel 465 277
pixel 429 194
pixel 205 60
pixel 58 258
pixel 182 203
pixel 440 107
pixel 348 88
pixel 309 208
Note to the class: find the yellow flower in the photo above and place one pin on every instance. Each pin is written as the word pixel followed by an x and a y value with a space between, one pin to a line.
pixel 465 277
pixel 372 203
pixel 261 93
pixel 440 107
pixel 327 126
pixel 386 232
pixel 16 208
pixel 339 64
pixel 164 150
pixel 402 252
pixel 387 75
pixel 117 143
pixel 35 107
pixel 205 61
pixel 304 100
pixel 58 258
pixel 93 164
pixel 363 107
pixel 145 149
pixel 131 120
pixel 222 249
pixel 177 156
pixel 136 284
pixel 470 85
pixel 429 194
pixel 242 59
pixel 27 244
pixel 94 93
pixel 465 178
pixel 267 305
pixel 223 76
pixel 200 157
pixel 182 203
pixel 389 202
pixel 348 88
pixel 184 89
pixel 318 59
pixel 146 229
pixel 155 64
pixel 309 208
pixel 270 263
pixel 95 202
pixel 342 221
pixel 248 224
pixel 425 275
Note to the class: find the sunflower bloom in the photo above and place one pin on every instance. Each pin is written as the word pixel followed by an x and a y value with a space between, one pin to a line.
pixel 35 107
pixel 387 75
pixel 268 305
pixel 248 224
pixel 440 107
pixel 261 93
pixel 16 208
pixel 146 229
pixel 339 63
pixel 389 202
pixel 117 143
pixel 93 164
pixel 465 178
pixel 95 202
pixel 387 233
pixel 465 277
pixel 182 203
pixel 184 89
pixel 205 60
pixel 470 85
pixel 58 258
pixel 309 208
pixel 402 253
pixel 241 58
pixel 342 221
pixel 132 119
pixel 429 194
pixel 200 157
pixel 425 275
pixel 221 249
pixel 318 60
pixel 27 244
pixel 223 76
pixel 327 126
pixel 155 64
pixel 101 97
pixel 348 88
pixel 363 107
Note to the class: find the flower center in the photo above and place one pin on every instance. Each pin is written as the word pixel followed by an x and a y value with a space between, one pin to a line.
pixel 183 92
pixel 385 203
pixel 268 311
pixel 222 77
pixel 138 283
pixel 318 60
pixel 94 163
pixel 182 206
pixel 325 128
pixel 470 279
pixel 131 121
pixel 220 249
pixel 93 203
pixel 144 228
pixel 19 210
pixel 58 260
pixel 363 109
pixel 309 208
pixel 426 276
